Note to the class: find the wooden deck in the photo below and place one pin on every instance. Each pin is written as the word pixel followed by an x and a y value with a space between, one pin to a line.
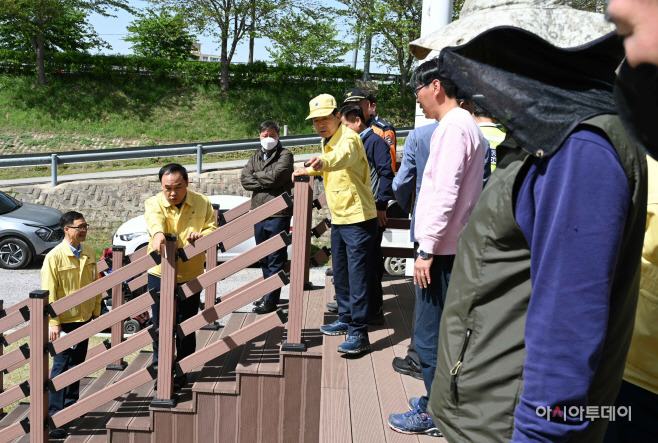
pixel 359 393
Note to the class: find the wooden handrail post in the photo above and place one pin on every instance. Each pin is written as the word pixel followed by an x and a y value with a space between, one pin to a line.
pixel 211 262
pixel 118 253
pixel 300 261
pixel 38 366
pixel 165 397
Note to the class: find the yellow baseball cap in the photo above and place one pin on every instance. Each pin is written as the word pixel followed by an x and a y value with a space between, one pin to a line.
pixel 322 105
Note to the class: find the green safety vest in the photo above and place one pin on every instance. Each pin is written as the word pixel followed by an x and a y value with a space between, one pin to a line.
pixel 479 371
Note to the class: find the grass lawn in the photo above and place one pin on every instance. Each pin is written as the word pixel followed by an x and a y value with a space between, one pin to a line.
pixel 23 373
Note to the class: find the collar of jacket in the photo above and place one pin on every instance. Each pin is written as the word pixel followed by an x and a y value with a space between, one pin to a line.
pixel 166 203
pixel 333 141
pixel 365 134
pixel 277 149
pixel 66 247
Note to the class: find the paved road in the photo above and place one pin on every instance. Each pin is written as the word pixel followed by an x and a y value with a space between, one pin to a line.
pixel 15 286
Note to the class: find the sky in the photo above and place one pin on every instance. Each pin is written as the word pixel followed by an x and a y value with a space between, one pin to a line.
pixel 113 30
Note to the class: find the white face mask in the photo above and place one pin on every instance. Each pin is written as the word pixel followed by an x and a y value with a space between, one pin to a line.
pixel 268 143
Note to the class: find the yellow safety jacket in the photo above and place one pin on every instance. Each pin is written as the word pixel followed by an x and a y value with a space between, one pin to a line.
pixel 346 178
pixel 196 215
pixel 642 362
pixel 62 274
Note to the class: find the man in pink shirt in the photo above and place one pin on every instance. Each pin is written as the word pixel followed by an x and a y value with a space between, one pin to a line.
pixel 452 183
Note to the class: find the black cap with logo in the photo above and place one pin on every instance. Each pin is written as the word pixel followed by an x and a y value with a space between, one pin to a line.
pixel 354 95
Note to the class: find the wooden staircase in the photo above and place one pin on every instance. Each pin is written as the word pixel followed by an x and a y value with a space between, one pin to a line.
pixel 256 393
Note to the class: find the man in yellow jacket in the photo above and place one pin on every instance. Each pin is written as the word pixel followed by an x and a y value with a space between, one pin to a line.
pixel 353 220
pixel 188 215
pixel 68 267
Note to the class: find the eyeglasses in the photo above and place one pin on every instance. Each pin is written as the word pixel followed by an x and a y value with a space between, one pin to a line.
pixel 80 228
pixel 417 90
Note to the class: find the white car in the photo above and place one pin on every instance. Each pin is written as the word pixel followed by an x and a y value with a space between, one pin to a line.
pixel 133 235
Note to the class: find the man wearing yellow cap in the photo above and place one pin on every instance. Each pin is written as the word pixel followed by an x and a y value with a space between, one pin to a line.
pixel 346 173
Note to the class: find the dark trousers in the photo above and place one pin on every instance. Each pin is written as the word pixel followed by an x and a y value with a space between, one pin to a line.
pixel 62 362
pixel 643 425
pixel 351 250
pixel 185 309
pixel 411 350
pixel 376 291
pixel 276 261
pixel 429 308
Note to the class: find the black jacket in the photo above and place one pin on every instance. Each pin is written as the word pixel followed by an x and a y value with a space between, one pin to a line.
pixel 381 173
pixel 268 179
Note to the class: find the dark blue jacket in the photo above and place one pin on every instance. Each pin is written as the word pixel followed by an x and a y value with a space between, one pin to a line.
pixel 381 173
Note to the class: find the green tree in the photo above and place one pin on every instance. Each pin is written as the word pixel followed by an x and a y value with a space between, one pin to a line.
pixel 71 32
pixel 304 37
pixel 33 18
pixel 164 34
pixel 228 21
pixel 393 24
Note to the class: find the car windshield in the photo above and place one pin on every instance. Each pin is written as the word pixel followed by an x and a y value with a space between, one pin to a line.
pixel 8 203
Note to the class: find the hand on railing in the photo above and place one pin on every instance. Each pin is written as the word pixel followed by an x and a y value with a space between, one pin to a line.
pixel 158 241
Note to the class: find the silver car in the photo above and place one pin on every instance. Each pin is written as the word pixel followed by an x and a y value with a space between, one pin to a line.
pixel 26 231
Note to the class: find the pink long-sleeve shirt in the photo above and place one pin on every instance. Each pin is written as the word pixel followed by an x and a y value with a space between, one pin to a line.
pixel 452 182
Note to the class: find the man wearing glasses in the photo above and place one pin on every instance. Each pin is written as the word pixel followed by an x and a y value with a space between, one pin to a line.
pixel 67 268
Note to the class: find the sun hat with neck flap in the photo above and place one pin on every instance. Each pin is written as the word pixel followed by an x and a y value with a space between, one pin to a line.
pixel 539 67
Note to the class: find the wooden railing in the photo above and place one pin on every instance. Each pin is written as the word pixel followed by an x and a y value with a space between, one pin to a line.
pixel 236 226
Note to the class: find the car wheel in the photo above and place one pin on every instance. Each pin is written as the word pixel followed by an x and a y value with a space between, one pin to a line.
pixel 131 326
pixel 14 253
pixel 395 265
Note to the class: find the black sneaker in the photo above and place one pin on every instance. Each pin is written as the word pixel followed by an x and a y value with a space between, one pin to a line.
pixel 180 382
pixel 265 308
pixel 329 272
pixel 259 301
pixel 406 366
pixel 332 307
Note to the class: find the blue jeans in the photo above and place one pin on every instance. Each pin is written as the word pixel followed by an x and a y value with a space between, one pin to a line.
pixel 351 251
pixel 276 261
pixel 62 362
pixel 429 308
pixel 185 309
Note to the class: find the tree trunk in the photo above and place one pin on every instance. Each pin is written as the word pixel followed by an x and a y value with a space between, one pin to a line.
pixel 225 64
pixel 40 58
pixel 404 79
pixel 366 59
pixel 251 34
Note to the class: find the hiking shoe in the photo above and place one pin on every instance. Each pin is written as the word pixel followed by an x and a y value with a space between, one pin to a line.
pixel 336 328
pixel 377 319
pixel 332 307
pixel 355 344
pixel 265 308
pixel 413 403
pixel 180 382
pixel 329 272
pixel 259 301
pixel 414 422
pixel 406 366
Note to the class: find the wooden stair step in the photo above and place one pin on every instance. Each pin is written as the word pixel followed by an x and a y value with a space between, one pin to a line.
pixel 91 429
pixel 17 414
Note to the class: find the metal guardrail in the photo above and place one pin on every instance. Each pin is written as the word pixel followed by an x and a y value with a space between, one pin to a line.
pixel 198 149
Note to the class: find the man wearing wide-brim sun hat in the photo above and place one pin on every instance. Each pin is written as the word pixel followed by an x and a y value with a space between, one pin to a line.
pixel 346 173
pixel 539 312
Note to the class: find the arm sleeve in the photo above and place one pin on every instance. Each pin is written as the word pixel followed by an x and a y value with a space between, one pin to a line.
pixel 403 183
pixel 280 174
pixel 572 210
pixel 249 182
pixel 155 219
pixel 344 155
pixel 210 224
pixel 382 156
pixel 445 171
pixel 49 283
